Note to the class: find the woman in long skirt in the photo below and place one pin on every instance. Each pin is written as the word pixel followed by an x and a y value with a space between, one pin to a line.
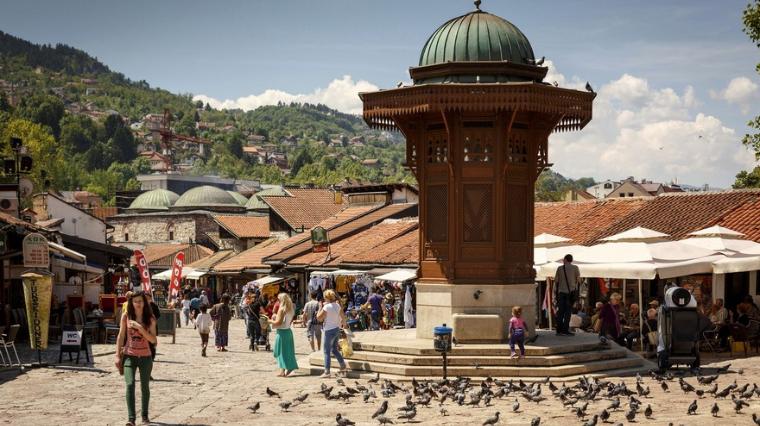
pixel 221 313
pixel 284 345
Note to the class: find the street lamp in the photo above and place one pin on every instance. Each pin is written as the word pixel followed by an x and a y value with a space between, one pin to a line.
pixel 20 164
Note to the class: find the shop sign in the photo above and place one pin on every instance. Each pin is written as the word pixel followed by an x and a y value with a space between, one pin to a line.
pixel 36 252
pixel 38 291
pixel 179 262
pixel 144 270
pixel 320 241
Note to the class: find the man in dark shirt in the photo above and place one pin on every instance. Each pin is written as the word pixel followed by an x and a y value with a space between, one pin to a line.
pixel 376 310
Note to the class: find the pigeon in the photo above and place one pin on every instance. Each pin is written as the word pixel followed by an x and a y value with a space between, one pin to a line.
pixel 593 421
pixel 409 415
pixel 604 415
pixel 443 412
pixel 714 410
pixel 384 420
pixel 630 415
pixel 284 405
pixel 515 406
pixel 270 392
pixel 724 393
pixel 380 411
pixel 685 387
pixel 614 405
pixel 255 407
pixel 739 404
pixel 301 398
pixel 536 421
pixel 375 379
pixel 343 421
pixel 492 420
pixel 589 88
pixel 664 386
pixel 648 411
pixel 341 382
pixel 692 408
pixel 756 419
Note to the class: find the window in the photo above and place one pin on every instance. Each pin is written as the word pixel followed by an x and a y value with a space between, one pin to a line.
pixel 630 194
pixel 607 186
pixel 126 236
pixel 622 195
pixel 171 233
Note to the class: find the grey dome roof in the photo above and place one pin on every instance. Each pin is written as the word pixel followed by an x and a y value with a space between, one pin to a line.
pixel 206 196
pixel 156 199
pixel 240 198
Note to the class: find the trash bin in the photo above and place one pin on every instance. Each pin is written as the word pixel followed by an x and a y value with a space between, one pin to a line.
pixel 442 343
pixel 678 325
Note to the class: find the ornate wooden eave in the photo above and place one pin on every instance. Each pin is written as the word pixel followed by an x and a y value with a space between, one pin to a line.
pixel 575 107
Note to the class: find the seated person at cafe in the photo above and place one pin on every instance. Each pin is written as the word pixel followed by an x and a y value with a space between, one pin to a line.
pixel 631 327
pixel 595 320
pixel 719 318
pixel 576 320
pixel 747 311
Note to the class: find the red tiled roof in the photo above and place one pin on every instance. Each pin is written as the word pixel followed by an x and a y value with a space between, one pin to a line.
pixel 162 254
pixel 678 214
pixel 362 246
pixel 209 261
pixel 744 219
pixel 245 226
pixel 582 221
pixel 340 231
pixel 252 258
pixel 306 207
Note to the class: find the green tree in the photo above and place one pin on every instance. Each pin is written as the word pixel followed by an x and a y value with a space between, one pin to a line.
pixel 45 110
pixel 301 159
pixel 123 145
pixel 751 20
pixel 78 132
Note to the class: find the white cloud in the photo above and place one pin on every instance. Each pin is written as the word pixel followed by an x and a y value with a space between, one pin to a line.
pixel 652 133
pixel 740 91
pixel 341 94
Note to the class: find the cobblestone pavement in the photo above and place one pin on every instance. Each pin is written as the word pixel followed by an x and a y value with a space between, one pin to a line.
pixel 189 389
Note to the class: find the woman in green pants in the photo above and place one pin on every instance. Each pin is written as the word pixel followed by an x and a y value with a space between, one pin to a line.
pixel 136 333
pixel 284 346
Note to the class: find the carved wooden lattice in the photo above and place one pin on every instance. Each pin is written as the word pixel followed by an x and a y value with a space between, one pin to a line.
pixel 437 217
pixel 437 149
pixel 477 149
pixel 411 157
pixel 517 148
pixel 542 160
pixel 478 213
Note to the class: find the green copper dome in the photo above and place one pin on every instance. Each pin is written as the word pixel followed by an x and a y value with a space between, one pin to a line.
pixel 206 196
pixel 477 37
pixel 240 198
pixel 157 199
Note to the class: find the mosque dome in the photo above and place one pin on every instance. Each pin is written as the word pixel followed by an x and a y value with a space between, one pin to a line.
pixel 256 203
pixel 206 196
pixel 240 198
pixel 156 199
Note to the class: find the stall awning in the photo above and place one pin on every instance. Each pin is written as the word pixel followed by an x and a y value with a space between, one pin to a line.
pixel 269 279
pixel 638 270
pixel 736 264
pixel 76 266
pixel 399 275
pixel 66 252
pixel 167 274
pixel 195 275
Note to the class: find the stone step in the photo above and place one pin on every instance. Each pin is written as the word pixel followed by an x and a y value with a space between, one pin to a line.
pixel 485 360
pixel 572 369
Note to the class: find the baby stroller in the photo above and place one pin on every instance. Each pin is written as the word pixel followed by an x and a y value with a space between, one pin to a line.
pixel 264 337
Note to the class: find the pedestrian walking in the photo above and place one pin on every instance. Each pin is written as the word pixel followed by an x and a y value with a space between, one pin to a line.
pixel 186 308
pixel 195 308
pixel 284 345
pixel 566 282
pixel 137 330
pixel 313 327
pixel 252 312
pixel 333 318
pixel 203 324
pixel 221 313
pixel 376 309
pixel 517 332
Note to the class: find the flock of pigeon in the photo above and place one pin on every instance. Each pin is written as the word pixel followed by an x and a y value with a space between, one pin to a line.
pixel 624 402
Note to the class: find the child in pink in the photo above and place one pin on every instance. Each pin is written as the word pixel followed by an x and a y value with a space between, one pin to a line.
pixel 517 332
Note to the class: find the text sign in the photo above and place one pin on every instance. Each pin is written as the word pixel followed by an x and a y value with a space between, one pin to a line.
pixel 36 252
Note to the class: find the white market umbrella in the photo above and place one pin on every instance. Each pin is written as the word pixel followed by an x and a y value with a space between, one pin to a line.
pixel 723 240
pixel 717 231
pixel 638 234
pixel 549 240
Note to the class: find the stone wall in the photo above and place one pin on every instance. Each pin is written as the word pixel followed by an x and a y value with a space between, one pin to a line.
pixel 153 229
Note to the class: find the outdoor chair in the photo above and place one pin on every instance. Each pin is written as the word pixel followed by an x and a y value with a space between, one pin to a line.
pixel 9 341
pixel 740 334
pixel 90 328
pixel 112 327
pixel 711 338
pixel 19 317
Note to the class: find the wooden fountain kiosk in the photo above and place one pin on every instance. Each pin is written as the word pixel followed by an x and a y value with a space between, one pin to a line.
pixel 477 122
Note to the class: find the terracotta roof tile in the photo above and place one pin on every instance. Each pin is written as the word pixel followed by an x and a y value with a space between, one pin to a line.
pixel 252 258
pixel 582 221
pixel 209 261
pixel 245 226
pixel 305 207
pixel 363 246
pixel 745 219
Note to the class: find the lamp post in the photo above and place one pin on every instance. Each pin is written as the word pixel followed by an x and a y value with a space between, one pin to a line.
pixel 16 166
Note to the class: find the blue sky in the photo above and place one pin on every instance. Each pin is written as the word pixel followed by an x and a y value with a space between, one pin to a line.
pixel 667 72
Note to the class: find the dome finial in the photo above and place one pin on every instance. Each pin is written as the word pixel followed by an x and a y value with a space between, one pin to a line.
pixel 477 4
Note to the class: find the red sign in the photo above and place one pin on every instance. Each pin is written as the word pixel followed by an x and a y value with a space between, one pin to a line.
pixel 142 268
pixel 179 262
